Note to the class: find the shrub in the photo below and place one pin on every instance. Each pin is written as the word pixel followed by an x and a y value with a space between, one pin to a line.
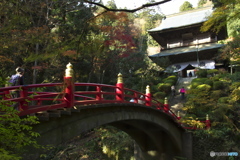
pixel 159 85
pixel 159 95
pixel 218 85
pixel 164 88
pixel 195 84
pixel 199 80
pixel 172 78
pixel 170 82
pixel 204 87
pixel 216 94
pixel 209 82
pixel 201 73
pixel 235 85
pixel 215 78
pixel 223 100
pixel 235 77
pixel 212 72
pixel 154 88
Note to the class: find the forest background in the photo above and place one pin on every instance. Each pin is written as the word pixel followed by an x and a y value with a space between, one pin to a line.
pixel 43 36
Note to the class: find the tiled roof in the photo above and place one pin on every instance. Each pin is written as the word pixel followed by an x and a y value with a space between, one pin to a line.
pixel 177 51
pixel 182 19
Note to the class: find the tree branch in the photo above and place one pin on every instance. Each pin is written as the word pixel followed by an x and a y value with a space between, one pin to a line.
pixel 127 10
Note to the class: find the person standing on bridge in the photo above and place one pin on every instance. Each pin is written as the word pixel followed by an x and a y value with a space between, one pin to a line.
pixel 16 80
pixel 173 91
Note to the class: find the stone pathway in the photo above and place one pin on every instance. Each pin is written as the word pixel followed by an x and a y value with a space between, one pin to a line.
pixel 176 103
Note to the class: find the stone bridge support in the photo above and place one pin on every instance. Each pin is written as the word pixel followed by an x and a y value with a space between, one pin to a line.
pixel 157 134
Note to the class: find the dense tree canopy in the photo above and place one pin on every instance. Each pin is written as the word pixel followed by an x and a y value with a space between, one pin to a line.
pixel 226 16
pixel 226 13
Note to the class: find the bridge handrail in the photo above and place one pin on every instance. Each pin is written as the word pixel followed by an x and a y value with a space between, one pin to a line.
pixel 68 97
pixel 31 86
pixel 99 94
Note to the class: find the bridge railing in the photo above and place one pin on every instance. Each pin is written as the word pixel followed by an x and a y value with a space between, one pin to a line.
pixel 68 95
pixel 31 100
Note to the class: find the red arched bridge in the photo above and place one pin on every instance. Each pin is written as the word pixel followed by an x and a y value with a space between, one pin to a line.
pixel 153 126
pixel 38 98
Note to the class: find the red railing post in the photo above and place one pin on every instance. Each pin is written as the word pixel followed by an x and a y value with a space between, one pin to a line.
pixel 178 115
pixel 120 88
pixel 69 84
pixel 148 96
pixel 99 94
pixel 208 123
pixel 135 97
pixel 166 105
pixel 23 103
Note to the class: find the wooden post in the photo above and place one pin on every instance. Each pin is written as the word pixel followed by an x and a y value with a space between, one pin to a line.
pixel 148 96
pixel 68 82
pixel 120 88
pixel 208 123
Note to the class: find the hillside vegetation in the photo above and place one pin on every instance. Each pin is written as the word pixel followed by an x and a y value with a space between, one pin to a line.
pixel 217 96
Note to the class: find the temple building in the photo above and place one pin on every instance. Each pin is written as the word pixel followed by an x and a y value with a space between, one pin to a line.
pixel 184 44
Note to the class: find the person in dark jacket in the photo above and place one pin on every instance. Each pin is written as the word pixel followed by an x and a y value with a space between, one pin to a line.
pixel 17 80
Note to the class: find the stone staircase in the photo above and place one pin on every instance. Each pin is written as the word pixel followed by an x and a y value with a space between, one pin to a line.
pixel 184 82
pixel 176 102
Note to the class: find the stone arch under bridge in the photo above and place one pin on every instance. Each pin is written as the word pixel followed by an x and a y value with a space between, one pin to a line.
pixel 157 134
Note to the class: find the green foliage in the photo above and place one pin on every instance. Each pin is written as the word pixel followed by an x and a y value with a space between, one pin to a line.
pixel 218 85
pixel 219 19
pixel 116 143
pixel 159 95
pixel 223 100
pixel 146 20
pixel 164 62
pixel 186 6
pixel 212 72
pixel 215 78
pixel 209 82
pixel 166 88
pixel 16 132
pixel 198 81
pixel 204 87
pixel 105 143
pixel 195 84
pixel 201 73
pixel 235 85
pixel 223 109
pixel 235 96
pixel 170 82
pixel 235 77
pixel 154 88
pixel 172 78
pixel 216 94
pixel 201 3
pixel 230 52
